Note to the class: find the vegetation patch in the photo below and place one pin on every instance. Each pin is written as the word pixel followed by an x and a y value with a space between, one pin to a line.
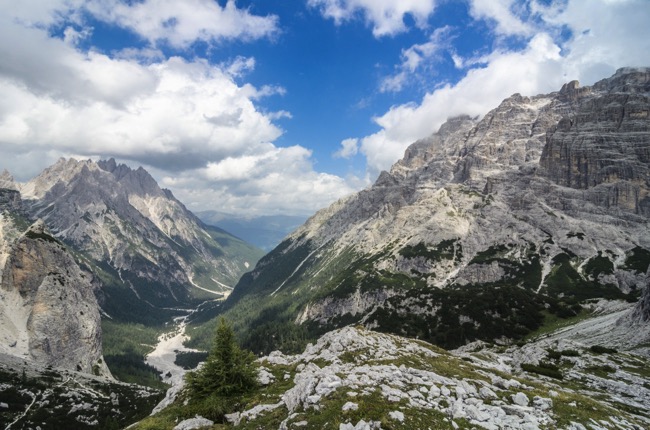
pixel 41 236
pixel 599 349
pixel 637 259
pixel 125 346
pixel 564 281
pixel 599 264
pixel 445 250
pixel 526 272
pixel 545 369
pixel 457 315
pixel 190 359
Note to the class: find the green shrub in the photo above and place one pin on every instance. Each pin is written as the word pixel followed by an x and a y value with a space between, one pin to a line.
pixel 545 369
pixel 598 349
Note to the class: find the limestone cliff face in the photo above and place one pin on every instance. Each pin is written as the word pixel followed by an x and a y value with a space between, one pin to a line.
pixel 48 312
pixel 602 145
pixel 542 202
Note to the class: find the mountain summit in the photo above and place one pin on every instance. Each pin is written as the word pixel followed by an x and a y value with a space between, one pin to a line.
pixel 480 231
pixel 145 246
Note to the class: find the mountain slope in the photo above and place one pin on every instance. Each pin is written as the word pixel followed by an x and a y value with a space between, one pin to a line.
pixel 480 232
pixel 148 249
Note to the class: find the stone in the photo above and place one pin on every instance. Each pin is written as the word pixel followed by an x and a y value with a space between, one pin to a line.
pixel 542 403
pixel 194 423
pixel 474 413
pixel 264 377
pixel 487 393
pixel 48 305
pixel 350 406
pixel 397 416
pixel 520 399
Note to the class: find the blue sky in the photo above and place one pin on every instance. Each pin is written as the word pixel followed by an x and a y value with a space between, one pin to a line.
pixel 264 107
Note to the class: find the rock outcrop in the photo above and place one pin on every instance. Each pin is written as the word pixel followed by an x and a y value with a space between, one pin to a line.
pixel 538 206
pixel 641 313
pixel 48 311
pixel 602 145
pixel 358 379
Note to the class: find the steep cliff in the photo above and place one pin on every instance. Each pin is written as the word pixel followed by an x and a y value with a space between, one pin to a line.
pixel 48 311
pixel 480 230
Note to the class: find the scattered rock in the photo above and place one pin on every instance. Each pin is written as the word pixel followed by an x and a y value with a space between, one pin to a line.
pixel 486 393
pixel 264 377
pixel 349 406
pixel 397 416
pixel 197 422
pixel 520 399
pixel 542 403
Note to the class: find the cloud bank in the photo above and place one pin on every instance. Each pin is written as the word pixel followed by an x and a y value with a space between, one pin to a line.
pixel 187 120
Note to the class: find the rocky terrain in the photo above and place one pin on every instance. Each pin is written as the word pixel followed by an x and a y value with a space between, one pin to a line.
pixel 353 378
pixel 484 230
pixel 33 397
pixel 147 249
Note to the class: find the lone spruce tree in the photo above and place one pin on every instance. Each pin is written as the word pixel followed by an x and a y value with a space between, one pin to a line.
pixel 228 371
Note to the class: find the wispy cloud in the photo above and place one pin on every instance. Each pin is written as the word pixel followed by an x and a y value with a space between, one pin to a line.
pixel 417 58
pixel 506 15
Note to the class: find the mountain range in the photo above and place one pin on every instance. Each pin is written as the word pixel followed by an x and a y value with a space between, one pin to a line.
pixel 483 230
pixel 148 251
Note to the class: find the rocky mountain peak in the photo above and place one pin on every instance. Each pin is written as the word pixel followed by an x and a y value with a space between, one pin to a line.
pixel 626 80
pixel 37 228
pixel 7 181
pixel 120 217
pixel 64 170
pixel 137 181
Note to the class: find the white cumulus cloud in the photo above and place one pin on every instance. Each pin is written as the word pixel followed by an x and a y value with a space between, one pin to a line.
pixel 386 17
pixel 181 23
pixel 271 181
pixel 188 121
pixel 349 148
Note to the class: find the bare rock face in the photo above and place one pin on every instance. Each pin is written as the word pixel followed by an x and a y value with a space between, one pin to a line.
pixel 602 146
pixel 7 181
pixel 641 312
pixel 48 312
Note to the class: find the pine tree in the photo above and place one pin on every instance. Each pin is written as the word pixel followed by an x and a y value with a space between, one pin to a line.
pixel 228 371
